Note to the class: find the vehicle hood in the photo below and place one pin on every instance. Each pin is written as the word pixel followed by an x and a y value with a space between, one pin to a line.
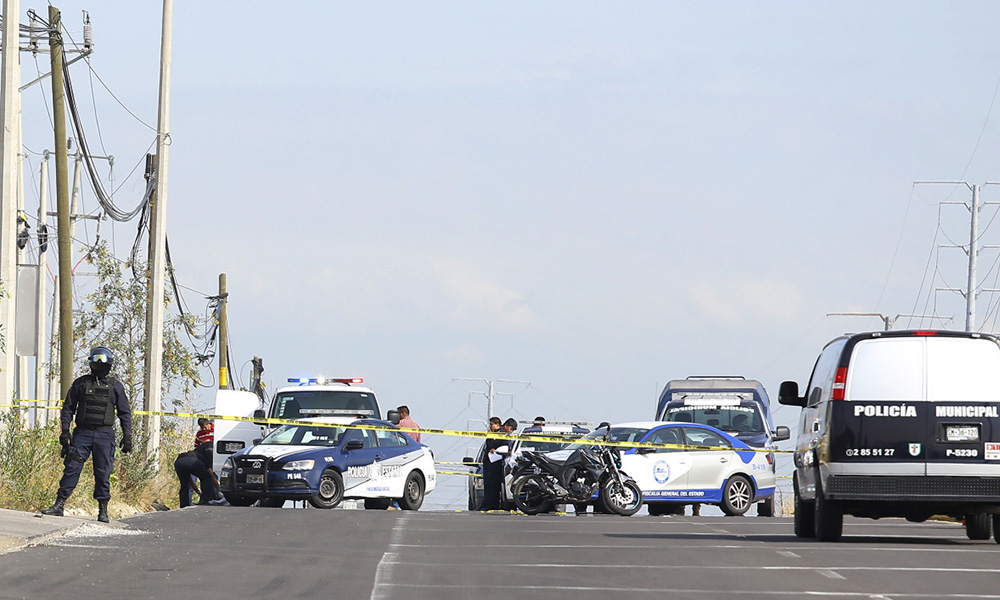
pixel 284 453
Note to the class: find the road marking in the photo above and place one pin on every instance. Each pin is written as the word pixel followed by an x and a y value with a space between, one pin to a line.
pixel 788 554
pixel 688 567
pixel 690 592
pixel 830 574
pixel 388 562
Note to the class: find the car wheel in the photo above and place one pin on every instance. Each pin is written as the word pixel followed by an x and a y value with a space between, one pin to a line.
pixel 237 500
pixel 660 509
pixel 529 495
pixel 829 517
pixel 271 502
pixel 413 492
pixel 331 490
pixel 766 508
pixel 736 496
pixel 804 518
pixel 625 500
pixel 978 526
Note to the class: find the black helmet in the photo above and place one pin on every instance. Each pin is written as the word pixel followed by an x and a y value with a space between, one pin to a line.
pixel 101 355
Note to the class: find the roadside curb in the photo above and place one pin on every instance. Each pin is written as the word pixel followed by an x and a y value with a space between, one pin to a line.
pixel 20 529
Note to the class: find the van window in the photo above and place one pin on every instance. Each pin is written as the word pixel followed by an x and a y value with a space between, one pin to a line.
pixel 823 372
pixel 963 370
pixel 887 369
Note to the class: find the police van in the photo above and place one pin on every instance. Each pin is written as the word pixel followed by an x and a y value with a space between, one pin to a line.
pixel 307 397
pixel 899 424
pixel 733 404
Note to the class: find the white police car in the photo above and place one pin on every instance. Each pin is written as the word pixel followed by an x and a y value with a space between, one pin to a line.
pixel 324 461
pixel 731 474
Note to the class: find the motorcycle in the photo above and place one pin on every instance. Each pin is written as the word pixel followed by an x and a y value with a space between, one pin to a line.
pixel 541 481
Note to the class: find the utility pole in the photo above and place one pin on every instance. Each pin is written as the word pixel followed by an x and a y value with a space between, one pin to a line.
pixel 158 241
pixel 490 394
pixel 42 415
pixel 10 80
pixel 973 249
pixel 62 205
pixel 223 335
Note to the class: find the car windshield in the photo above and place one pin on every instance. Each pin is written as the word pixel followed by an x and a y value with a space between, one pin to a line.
pixel 298 404
pixel 615 434
pixel 304 435
pixel 741 419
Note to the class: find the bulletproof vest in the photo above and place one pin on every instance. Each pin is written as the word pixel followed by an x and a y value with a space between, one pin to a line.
pixel 97 403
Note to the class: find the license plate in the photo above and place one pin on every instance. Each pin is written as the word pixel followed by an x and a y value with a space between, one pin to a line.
pixel 962 433
pixel 232 447
pixel 255 478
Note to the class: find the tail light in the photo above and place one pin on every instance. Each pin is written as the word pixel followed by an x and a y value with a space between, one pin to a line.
pixel 839 383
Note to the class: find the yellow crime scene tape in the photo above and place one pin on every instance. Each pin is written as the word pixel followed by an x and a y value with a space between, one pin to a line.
pixel 427 431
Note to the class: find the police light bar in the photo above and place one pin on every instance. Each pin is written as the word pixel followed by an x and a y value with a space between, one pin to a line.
pixel 324 380
pixel 712 400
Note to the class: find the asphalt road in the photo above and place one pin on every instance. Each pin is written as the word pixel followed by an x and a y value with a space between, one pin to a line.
pixel 224 552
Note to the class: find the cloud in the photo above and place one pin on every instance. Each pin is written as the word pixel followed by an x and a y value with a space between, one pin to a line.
pixel 744 300
pixel 479 302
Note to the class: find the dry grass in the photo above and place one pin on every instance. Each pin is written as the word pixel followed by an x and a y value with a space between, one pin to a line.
pixel 30 469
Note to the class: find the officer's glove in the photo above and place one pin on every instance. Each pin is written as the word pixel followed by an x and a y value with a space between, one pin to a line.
pixel 65 439
pixel 126 444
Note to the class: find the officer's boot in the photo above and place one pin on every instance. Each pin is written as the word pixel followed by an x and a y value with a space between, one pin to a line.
pixel 56 510
pixel 102 511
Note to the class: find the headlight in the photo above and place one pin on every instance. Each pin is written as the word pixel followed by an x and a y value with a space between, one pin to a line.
pixel 298 465
pixel 228 464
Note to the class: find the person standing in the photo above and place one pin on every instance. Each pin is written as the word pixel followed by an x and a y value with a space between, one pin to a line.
pixel 93 401
pixel 492 469
pixel 197 463
pixel 406 421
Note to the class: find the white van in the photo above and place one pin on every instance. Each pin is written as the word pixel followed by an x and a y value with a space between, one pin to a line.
pixel 899 424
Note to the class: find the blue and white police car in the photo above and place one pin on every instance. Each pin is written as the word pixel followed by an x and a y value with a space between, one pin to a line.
pixel 731 474
pixel 324 460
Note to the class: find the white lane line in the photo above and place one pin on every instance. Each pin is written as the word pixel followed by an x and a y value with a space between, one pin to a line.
pixel 383 576
pixel 386 565
pixel 978 548
pixel 830 574
pixel 679 592
pixel 688 567
pixel 788 554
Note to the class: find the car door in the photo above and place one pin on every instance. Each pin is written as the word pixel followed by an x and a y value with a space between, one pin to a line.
pixel 392 461
pixel 709 468
pixel 660 472
pixel 358 464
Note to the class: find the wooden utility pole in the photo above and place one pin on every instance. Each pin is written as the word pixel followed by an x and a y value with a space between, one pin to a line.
pixel 10 81
pixel 62 205
pixel 158 235
pixel 223 335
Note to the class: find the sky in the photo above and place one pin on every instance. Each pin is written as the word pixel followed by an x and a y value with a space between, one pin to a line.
pixel 589 197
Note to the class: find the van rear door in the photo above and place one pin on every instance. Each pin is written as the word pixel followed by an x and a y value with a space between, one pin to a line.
pixel 963 391
pixel 920 405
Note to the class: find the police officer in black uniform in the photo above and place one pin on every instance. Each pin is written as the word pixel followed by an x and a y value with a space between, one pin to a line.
pixel 94 400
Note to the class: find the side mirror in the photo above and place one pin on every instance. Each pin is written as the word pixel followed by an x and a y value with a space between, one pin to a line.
pixel 354 445
pixel 393 417
pixel 259 414
pixel 469 461
pixel 258 441
pixel 781 433
pixel 604 425
pixel 788 394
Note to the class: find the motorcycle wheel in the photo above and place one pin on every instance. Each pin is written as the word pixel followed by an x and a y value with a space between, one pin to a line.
pixel 625 500
pixel 530 496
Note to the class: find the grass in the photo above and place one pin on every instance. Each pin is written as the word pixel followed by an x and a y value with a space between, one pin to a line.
pixel 30 469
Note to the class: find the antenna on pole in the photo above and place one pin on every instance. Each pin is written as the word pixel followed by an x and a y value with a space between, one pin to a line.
pixel 887 321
